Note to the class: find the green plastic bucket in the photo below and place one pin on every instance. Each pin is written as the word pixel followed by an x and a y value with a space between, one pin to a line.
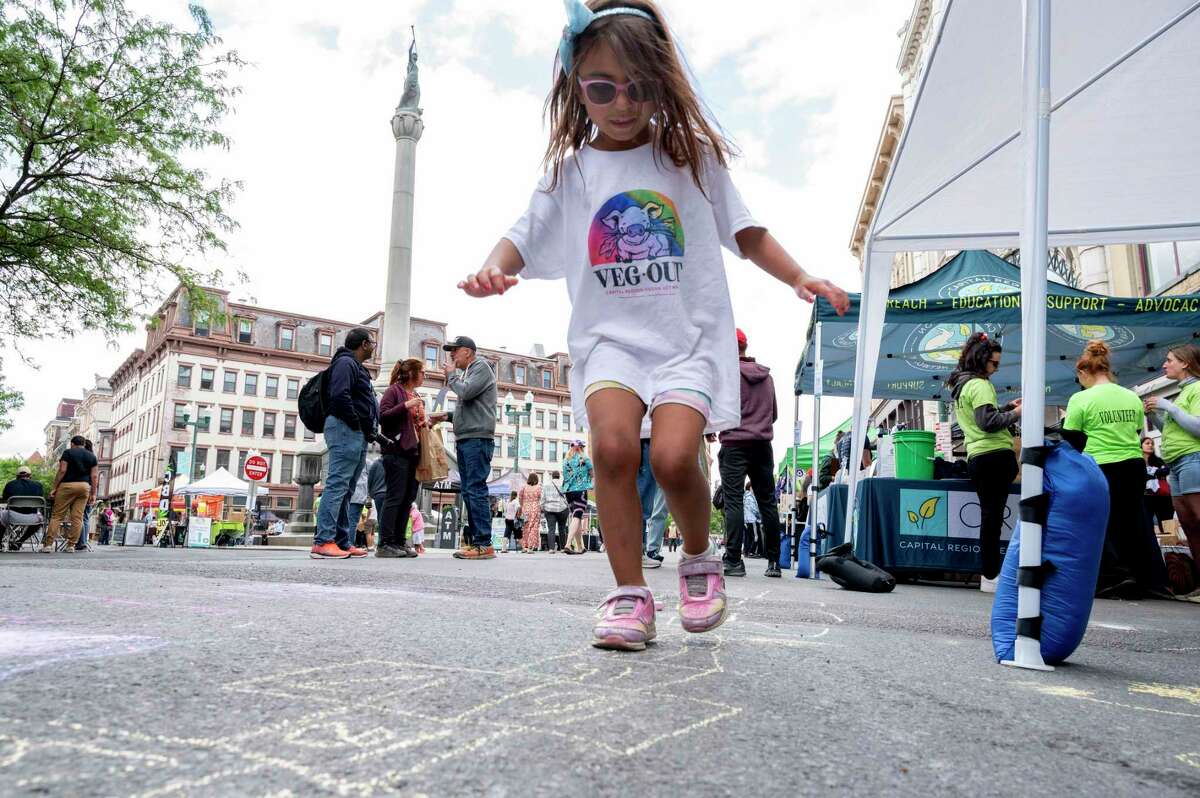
pixel 914 454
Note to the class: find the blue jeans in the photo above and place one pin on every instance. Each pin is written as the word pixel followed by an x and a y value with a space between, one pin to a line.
pixel 347 454
pixel 654 505
pixel 474 468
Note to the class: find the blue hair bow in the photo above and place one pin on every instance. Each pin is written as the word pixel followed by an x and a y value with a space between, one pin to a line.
pixel 579 16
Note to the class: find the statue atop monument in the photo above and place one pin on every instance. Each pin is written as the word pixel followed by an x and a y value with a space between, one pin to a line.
pixel 411 98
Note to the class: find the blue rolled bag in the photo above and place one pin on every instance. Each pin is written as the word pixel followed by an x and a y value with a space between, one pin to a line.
pixel 1077 504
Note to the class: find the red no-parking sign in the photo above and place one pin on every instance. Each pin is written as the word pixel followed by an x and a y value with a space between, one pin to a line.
pixel 256 467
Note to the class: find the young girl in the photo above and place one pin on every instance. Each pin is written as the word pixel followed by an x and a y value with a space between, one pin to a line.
pixel 416 526
pixel 633 211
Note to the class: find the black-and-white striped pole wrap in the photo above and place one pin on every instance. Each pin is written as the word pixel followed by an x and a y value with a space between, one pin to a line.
pixel 1035 136
pixel 818 391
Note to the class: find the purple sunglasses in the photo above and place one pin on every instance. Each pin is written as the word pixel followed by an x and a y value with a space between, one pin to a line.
pixel 603 92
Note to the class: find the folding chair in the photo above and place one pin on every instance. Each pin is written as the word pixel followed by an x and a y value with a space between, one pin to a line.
pixel 25 521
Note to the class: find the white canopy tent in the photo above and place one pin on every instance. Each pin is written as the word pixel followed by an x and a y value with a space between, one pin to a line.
pixel 218 483
pixel 1043 123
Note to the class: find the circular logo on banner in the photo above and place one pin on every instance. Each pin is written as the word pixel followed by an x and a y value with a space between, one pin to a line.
pixel 256 467
pixel 937 346
pixel 1082 333
pixel 979 285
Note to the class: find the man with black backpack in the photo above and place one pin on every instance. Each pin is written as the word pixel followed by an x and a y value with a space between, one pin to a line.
pixel 351 418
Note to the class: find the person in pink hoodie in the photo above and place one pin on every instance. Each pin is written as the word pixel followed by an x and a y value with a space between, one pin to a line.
pixel 746 453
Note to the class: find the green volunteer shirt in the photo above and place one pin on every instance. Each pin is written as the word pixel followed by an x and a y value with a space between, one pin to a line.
pixel 1112 418
pixel 1176 441
pixel 978 393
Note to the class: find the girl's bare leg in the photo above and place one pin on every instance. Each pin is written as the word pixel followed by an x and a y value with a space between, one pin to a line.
pixel 675 459
pixel 615 417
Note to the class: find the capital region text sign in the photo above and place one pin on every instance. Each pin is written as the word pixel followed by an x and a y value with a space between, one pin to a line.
pixel 947 522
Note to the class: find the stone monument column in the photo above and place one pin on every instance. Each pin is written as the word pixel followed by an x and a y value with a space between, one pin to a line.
pixel 407 128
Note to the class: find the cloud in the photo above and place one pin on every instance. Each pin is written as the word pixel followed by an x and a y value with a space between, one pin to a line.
pixel 802 86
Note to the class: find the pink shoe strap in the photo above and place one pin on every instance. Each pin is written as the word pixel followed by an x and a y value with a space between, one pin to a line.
pixel 701 566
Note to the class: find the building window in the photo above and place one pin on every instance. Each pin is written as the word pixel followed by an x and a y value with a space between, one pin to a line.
pixel 553 420
pixel 270 458
pixel 230 385
pixel 324 344
pixel 499 417
pixel 173 457
pixel 1168 261
pixel 287 338
pixel 284 502
pixel 309 435
pixel 239 502
pixel 553 451
pixel 512 445
pixel 539 419
pixel 566 422
pixel 200 324
pixel 268 425
pixel 200 464
pixel 181 413
pixel 241 472
pixel 289 427
pixel 287 462
pixel 226 420
pixel 272 391
pixel 495 474
pixel 250 385
pixel 518 374
pixel 539 450
pixel 293 388
pixel 245 331
pixel 247 422
pixel 184 379
pixel 547 379
pixel 497 444
pixel 223 459
pixel 207 376
pixel 431 356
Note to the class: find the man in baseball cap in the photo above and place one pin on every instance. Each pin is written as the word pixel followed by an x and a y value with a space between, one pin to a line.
pixel 746 452
pixel 474 418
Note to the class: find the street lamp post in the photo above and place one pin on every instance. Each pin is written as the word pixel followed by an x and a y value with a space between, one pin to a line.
pixel 515 414
pixel 200 423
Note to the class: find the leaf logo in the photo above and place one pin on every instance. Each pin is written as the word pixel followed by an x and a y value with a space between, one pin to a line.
pixel 913 517
pixel 929 508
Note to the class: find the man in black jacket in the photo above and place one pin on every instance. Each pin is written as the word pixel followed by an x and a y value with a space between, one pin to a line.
pixel 353 416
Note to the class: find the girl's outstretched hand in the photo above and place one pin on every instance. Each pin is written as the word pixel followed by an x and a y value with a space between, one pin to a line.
pixel 488 281
pixel 809 288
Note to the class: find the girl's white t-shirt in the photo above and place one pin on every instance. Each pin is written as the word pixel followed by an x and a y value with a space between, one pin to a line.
pixel 640 247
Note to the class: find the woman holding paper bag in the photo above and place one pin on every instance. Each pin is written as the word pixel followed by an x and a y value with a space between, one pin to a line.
pixel 401 413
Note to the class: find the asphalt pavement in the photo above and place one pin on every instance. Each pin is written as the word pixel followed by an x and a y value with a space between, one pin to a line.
pixel 148 672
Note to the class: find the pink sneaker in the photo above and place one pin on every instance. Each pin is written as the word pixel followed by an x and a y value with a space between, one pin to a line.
pixel 627 620
pixel 702 605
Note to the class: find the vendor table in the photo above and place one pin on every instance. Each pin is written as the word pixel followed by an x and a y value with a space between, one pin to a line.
pixel 908 525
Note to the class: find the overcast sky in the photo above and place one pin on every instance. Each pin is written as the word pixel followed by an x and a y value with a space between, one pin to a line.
pixel 801 86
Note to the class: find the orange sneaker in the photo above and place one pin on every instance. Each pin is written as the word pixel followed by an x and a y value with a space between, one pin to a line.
pixel 476 553
pixel 328 551
pixel 355 551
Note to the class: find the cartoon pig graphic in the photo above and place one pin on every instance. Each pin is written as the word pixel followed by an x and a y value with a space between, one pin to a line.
pixel 637 233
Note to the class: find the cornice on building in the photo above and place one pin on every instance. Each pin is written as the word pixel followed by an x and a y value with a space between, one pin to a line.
pixel 885 150
pixel 914 33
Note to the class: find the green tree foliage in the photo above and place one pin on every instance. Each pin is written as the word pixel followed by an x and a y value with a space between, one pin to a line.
pixel 42 472
pixel 99 209
pixel 10 402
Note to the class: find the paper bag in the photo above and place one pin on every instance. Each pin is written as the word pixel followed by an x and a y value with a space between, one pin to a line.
pixel 433 464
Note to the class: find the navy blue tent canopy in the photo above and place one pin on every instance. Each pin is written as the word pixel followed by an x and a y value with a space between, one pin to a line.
pixel 927 322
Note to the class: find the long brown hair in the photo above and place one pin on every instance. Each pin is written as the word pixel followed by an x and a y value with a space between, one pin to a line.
pixel 1189 356
pixel 1095 358
pixel 682 129
pixel 405 371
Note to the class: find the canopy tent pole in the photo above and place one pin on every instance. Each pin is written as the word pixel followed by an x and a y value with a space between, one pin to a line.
pixel 818 390
pixel 793 515
pixel 1027 652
